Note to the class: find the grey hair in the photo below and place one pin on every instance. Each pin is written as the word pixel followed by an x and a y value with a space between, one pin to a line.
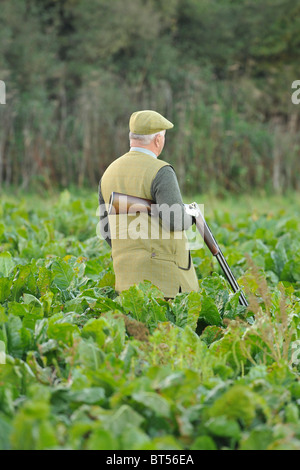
pixel 144 139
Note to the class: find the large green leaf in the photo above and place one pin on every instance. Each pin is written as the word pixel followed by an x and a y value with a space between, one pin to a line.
pixel 60 329
pixel 237 403
pixel 209 311
pixel 6 264
pixel 62 273
pixel 5 432
pixel 221 426
pixel 203 443
pixel 5 285
pixel 33 429
pixel 100 439
pixel 132 301
pixel 159 405
pixel 121 417
pixel 18 337
pixel 24 282
pixel 258 439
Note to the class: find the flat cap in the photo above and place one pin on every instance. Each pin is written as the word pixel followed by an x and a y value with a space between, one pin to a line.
pixel 148 122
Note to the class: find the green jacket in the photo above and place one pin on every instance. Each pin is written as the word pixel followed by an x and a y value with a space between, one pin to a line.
pixel 142 249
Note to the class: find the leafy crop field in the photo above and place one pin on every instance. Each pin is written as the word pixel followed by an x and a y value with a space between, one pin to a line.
pixel 85 368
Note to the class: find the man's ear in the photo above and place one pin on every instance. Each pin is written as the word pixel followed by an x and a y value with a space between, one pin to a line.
pixel 156 140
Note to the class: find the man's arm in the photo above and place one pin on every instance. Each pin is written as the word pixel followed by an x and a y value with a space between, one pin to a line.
pixel 165 191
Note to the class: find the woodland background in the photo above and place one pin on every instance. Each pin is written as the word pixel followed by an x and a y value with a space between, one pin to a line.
pixel 220 70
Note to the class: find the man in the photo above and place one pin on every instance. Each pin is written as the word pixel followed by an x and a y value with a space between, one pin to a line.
pixel 163 257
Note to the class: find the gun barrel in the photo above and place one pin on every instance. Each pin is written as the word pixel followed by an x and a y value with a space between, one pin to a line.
pixel 231 279
pixel 216 251
pixel 206 234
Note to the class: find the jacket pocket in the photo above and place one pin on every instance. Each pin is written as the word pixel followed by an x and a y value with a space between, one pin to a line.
pixel 162 256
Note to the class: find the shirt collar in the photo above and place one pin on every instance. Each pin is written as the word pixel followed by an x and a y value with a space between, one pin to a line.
pixel 142 149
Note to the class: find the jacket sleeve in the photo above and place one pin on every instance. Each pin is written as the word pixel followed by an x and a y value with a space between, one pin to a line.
pixel 166 193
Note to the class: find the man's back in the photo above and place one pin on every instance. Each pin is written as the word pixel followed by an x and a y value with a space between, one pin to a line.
pixel 142 247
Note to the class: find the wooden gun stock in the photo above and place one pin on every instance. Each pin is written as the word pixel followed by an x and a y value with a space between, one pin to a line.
pixel 124 204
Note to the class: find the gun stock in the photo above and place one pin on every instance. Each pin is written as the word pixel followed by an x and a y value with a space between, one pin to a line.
pixel 120 203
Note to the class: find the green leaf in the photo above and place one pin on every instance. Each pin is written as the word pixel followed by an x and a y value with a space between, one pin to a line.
pixel 5 432
pixel 24 282
pixel 209 311
pixel 291 270
pixel 108 280
pixel 46 301
pixel 186 309
pixel 221 426
pixel 62 274
pixel 7 264
pixel 17 309
pixel 204 443
pixel 91 396
pixel 159 405
pixel 31 299
pixel 194 308
pixel 32 428
pixel 211 333
pixel 3 316
pixel 18 337
pixel 5 285
pixel 89 355
pixel 239 402
pixel 258 439
pixel 132 438
pixel 98 329
pixel 100 439
pixel 44 280
pixel 121 417
pixel 2 226
pixel 104 304
pixel 61 330
pixel 132 301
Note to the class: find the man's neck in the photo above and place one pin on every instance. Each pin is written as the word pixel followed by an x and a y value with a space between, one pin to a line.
pixel 151 147
pixel 143 150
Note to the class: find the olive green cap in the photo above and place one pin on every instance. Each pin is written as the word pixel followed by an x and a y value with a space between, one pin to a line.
pixel 148 122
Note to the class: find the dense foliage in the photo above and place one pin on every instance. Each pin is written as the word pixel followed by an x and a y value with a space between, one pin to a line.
pixel 86 368
pixel 221 70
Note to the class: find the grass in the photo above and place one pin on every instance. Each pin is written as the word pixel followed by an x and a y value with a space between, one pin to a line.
pixel 259 202
pixel 256 203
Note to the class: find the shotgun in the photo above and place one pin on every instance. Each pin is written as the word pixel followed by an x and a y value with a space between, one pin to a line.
pixel 124 204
